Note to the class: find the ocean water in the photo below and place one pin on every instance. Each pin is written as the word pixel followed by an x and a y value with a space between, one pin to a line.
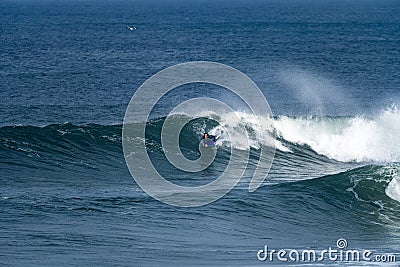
pixel 330 71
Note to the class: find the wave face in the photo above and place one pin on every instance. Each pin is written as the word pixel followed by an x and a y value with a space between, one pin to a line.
pixel 307 147
pixel 64 173
pixel 346 139
pixel 59 146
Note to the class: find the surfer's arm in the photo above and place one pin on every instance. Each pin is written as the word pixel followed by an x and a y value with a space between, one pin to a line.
pixel 212 137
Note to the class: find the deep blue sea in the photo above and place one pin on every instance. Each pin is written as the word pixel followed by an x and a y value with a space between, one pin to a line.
pixel 330 71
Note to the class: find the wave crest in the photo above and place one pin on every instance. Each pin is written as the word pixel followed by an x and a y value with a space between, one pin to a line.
pixel 346 139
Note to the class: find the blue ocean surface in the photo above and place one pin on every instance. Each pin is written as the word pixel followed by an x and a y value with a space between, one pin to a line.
pixel 330 71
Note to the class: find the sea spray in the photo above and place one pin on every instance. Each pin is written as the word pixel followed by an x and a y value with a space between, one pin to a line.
pixel 358 138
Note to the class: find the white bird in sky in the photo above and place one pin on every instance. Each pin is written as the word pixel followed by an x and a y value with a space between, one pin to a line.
pixel 131 28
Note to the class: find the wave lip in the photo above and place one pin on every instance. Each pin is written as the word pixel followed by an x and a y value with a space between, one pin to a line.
pixel 347 139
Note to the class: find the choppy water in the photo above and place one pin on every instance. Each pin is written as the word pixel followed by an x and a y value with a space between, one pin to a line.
pixel 329 71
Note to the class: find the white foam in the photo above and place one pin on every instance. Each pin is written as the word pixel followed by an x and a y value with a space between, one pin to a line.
pixel 347 139
pixel 393 188
pixel 258 131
